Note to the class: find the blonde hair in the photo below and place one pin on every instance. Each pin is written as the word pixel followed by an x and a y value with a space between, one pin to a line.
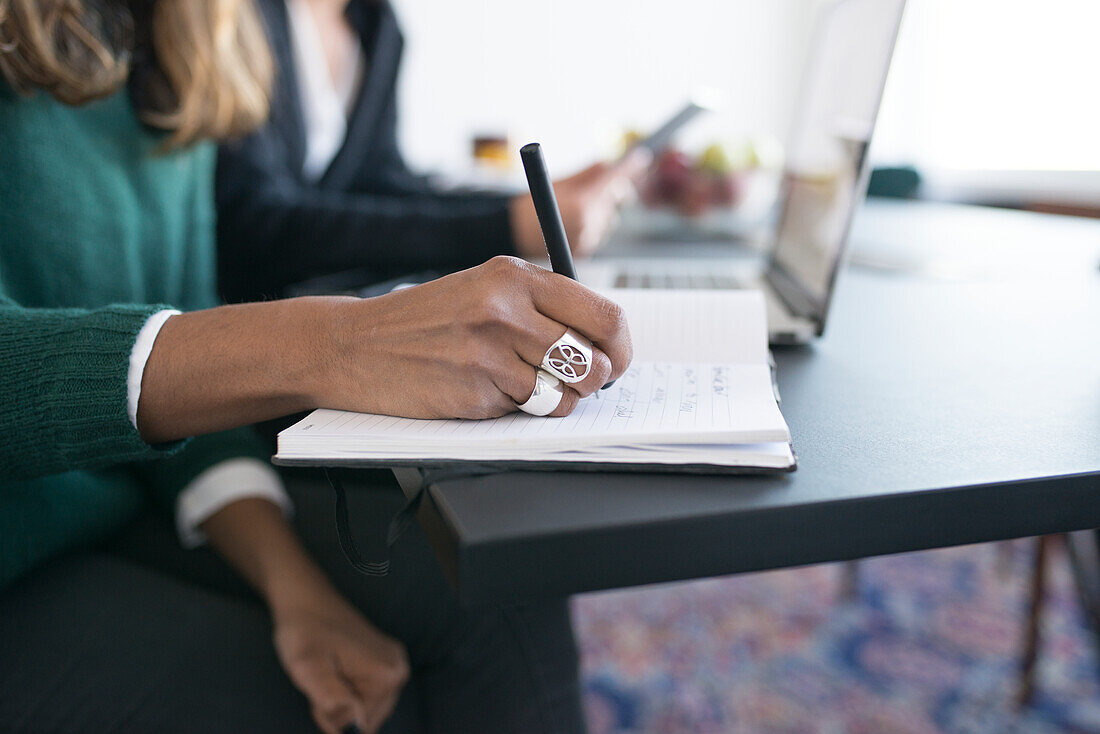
pixel 213 68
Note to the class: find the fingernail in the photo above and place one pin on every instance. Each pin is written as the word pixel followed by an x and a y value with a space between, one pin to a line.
pixel 351 729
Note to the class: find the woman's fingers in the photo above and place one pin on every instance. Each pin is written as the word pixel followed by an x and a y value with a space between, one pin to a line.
pixel 535 336
pixel 569 401
pixel 334 703
pixel 377 715
pixel 634 165
pixel 517 333
pixel 592 175
pixel 378 685
pixel 518 384
pixel 629 168
pixel 599 374
pixel 466 346
pixel 599 319
pixel 521 385
pixel 375 706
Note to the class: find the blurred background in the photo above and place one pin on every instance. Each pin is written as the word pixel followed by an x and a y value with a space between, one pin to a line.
pixel 992 101
pixel 574 74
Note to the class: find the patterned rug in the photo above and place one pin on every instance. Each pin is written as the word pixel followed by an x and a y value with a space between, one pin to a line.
pixel 926 643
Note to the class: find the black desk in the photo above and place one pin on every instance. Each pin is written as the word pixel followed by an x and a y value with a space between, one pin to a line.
pixel 934 412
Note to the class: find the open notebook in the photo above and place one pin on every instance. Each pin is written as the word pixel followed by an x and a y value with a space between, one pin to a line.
pixel 698 397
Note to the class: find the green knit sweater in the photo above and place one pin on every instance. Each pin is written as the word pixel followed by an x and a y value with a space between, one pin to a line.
pixel 98 231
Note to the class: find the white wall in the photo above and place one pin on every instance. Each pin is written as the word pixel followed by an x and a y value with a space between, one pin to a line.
pixel 995 85
pixel 976 85
pixel 572 73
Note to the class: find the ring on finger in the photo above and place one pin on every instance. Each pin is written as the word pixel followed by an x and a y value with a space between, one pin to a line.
pixel 546 396
pixel 569 358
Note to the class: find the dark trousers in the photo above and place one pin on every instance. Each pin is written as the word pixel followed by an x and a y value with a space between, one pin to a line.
pixel 142 636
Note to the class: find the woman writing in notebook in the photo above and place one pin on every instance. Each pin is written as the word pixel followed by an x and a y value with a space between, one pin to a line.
pixel 123 384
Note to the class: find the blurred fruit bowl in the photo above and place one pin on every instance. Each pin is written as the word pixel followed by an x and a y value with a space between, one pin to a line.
pixel 712 194
pixel 676 183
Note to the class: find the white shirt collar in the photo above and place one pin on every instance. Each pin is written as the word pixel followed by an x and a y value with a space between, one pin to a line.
pixel 325 103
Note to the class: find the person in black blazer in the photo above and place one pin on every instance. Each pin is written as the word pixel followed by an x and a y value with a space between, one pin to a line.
pixel 367 211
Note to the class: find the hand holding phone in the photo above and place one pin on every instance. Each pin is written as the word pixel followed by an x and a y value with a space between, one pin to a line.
pixel 660 138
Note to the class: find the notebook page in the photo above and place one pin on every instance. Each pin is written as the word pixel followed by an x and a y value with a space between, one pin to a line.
pixel 653 403
pixel 728 327
pixel 777 455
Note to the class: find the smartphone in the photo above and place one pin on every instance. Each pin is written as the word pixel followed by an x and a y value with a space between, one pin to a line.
pixel 660 138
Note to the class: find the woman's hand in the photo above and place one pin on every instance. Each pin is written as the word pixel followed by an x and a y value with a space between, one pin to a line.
pixel 589 203
pixel 466 345
pixel 350 671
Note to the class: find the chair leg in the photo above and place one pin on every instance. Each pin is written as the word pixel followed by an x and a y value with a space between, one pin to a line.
pixel 1034 621
pixel 849 581
pixel 1003 563
pixel 1083 552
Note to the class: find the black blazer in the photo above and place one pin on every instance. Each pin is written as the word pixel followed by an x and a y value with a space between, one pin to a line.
pixel 368 211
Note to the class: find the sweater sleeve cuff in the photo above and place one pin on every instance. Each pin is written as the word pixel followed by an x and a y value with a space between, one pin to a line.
pixel 221 485
pixel 139 355
pixel 67 377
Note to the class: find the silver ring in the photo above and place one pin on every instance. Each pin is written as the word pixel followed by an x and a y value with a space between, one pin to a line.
pixel 546 396
pixel 569 358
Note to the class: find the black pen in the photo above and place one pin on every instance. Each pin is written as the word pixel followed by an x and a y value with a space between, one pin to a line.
pixel 549 215
pixel 546 207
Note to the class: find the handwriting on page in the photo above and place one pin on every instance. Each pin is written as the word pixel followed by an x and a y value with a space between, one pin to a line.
pixel 650 399
pixel 650 388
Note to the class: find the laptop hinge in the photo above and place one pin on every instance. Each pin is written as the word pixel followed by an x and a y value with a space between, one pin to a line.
pixel 794 297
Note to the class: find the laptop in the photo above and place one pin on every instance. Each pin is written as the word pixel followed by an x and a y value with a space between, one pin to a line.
pixel 824 182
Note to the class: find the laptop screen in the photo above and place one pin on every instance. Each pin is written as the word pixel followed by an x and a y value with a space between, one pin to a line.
pixel 824 178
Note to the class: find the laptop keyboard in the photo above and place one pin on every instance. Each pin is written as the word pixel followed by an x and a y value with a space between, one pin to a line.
pixel 676 281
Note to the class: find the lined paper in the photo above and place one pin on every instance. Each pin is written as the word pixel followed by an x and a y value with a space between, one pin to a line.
pixel 728 327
